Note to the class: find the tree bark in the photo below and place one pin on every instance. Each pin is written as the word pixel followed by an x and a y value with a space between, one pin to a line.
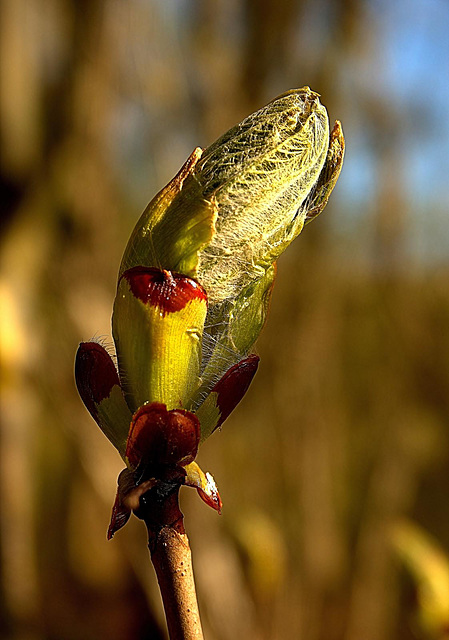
pixel 172 561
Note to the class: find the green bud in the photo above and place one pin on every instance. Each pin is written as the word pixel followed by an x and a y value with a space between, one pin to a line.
pixel 233 209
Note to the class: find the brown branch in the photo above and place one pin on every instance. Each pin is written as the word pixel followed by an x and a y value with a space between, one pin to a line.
pixel 172 560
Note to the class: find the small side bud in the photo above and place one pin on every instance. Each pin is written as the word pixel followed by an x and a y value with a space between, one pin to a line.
pixel 204 484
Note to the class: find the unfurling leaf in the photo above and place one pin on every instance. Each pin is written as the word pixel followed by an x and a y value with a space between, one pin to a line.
pixel 237 205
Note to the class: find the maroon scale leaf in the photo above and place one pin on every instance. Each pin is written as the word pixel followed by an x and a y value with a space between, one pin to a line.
pixel 233 385
pixel 167 290
pixel 95 375
pixel 161 437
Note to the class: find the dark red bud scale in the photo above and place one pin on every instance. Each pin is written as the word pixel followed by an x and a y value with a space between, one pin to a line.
pixel 167 290
pixel 95 374
pixel 234 384
pixel 158 436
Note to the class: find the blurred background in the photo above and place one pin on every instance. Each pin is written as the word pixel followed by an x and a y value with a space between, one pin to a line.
pixel 334 470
